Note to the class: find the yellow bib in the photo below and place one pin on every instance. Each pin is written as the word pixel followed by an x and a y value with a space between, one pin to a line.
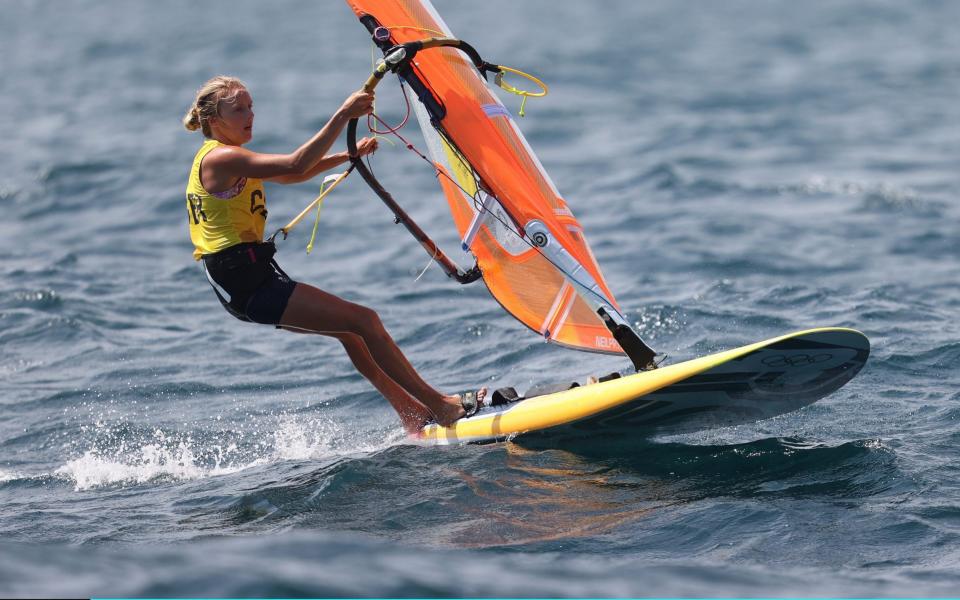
pixel 215 223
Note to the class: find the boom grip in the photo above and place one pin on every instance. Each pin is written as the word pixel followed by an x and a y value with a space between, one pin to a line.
pixel 481 65
pixel 375 77
pixel 371 83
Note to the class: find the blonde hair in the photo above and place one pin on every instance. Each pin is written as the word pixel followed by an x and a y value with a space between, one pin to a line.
pixel 207 101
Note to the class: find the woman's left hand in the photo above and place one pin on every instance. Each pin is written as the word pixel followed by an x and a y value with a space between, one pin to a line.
pixel 367 145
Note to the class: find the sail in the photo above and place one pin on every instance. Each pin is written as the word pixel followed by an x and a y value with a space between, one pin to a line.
pixel 499 194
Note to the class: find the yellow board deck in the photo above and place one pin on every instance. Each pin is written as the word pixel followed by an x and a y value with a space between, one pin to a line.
pixel 742 385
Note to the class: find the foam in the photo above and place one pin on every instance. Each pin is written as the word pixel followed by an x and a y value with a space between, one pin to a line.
pixel 149 462
pixel 169 457
pixel 295 439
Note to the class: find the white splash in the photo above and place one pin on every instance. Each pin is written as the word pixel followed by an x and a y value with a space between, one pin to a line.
pixel 177 458
pixel 162 458
pixel 296 439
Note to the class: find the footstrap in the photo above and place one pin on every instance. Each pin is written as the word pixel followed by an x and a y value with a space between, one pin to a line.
pixel 470 404
pixel 504 395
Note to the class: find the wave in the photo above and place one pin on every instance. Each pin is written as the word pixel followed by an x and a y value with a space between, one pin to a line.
pixel 6 476
pixel 339 565
pixel 678 176
pixel 790 467
pixel 125 457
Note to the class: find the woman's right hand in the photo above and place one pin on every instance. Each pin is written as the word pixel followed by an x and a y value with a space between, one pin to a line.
pixel 367 145
pixel 357 104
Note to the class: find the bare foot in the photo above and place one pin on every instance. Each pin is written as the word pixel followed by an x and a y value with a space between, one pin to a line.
pixel 452 410
pixel 591 380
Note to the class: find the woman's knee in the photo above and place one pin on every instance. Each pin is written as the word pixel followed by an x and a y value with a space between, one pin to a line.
pixel 352 342
pixel 324 312
pixel 364 321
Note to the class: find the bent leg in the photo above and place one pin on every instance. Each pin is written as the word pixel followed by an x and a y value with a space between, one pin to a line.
pixel 313 310
pixel 413 414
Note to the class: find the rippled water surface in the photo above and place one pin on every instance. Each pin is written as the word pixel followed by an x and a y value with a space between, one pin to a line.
pixel 742 170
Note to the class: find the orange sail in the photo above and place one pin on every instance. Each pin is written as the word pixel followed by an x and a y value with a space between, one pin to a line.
pixel 530 248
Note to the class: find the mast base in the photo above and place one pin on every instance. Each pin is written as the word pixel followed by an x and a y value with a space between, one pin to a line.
pixel 640 354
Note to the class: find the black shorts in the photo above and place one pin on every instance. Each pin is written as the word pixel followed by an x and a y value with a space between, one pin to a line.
pixel 249 283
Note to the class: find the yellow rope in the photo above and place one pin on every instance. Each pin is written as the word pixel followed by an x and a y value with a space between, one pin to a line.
pixel 433 31
pixel 316 224
pixel 523 93
pixel 334 181
pixel 498 79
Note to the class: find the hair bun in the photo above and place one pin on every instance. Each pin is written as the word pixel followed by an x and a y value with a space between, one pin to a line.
pixel 192 119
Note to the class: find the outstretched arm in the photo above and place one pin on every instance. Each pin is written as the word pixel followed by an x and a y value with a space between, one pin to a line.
pixel 366 146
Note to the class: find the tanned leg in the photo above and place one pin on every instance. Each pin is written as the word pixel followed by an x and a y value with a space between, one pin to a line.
pixel 313 310
pixel 413 414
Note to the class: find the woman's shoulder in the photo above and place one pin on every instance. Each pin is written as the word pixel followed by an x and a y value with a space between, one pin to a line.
pixel 220 152
pixel 207 147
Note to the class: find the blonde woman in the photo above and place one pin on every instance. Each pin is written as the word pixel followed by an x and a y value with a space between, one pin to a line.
pixel 226 207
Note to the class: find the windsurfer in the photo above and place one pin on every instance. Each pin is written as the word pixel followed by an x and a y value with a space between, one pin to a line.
pixel 227 212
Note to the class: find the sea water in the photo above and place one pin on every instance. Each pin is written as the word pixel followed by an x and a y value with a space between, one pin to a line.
pixel 742 170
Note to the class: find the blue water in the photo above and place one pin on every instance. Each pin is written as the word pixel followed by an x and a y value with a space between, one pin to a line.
pixel 742 170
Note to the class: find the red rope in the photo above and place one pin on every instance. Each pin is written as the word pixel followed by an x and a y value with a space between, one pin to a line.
pixel 393 130
pixel 396 131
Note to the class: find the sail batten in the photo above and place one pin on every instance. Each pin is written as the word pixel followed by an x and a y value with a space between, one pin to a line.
pixel 500 196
